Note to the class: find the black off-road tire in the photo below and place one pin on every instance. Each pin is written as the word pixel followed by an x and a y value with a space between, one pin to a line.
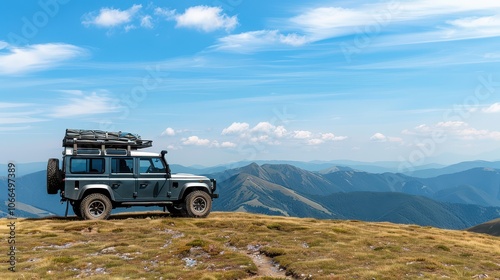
pixel 95 206
pixel 198 204
pixel 54 176
pixel 76 209
pixel 176 211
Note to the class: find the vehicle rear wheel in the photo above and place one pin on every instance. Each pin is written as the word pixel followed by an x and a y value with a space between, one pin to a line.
pixel 76 209
pixel 95 206
pixel 54 176
pixel 176 210
pixel 198 204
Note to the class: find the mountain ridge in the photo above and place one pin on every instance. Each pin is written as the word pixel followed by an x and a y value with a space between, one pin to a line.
pixel 284 189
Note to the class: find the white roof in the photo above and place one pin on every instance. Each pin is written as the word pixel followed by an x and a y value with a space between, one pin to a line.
pixel 143 154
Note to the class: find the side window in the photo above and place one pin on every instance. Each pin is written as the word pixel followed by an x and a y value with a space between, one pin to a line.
pixel 122 165
pixel 87 165
pixel 151 165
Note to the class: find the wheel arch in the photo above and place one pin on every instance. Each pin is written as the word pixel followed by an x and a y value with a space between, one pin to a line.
pixel 102 189
pixel 189 188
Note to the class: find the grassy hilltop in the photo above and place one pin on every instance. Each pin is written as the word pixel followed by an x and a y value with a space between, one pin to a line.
pixel 244 246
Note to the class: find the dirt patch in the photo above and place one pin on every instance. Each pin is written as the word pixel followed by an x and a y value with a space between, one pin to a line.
pixel 266 266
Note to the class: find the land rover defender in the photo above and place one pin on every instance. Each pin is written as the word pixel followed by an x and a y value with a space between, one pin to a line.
pixel 103 170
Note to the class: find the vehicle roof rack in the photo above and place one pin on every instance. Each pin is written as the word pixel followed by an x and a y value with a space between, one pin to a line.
pixel 85 138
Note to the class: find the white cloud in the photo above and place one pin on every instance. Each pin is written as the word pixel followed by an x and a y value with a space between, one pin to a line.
pixel 109 17
pixel 129 27
pixel 378 137
pixel 439 20
pixel 477 22
pixel 195 141
pixel 263 127
pixel 7 105
pixel 323 22
pixel 493 108
pixel 332 137
pixel 474 27
pixel 206 18
pixel 478 134
pixel 227 144
pixel 325 137
pixel 257 40
pixel 263 132
pixel 84 104
pixel 11 117
pixel 166 13
pixel 147 21
pixel 315 141
pixel 267 133
pixel 270 129
pixel 457 129
pixel 168 132
pixel 451 124
pixel 302 134
pixel 18 60
pixel 236 128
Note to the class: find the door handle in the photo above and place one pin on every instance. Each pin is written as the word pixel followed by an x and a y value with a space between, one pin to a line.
pixel 115 185
pixel 144 185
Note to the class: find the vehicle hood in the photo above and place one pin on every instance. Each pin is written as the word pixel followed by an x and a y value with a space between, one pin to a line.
pixel 187 176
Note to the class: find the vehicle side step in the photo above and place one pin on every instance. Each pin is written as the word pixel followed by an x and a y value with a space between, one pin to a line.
pixel 139 203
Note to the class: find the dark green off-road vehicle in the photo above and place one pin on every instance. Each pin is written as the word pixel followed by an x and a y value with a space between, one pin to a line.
pixel 102 170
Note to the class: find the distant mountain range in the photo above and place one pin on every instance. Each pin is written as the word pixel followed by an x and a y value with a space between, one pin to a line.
pixel 455 200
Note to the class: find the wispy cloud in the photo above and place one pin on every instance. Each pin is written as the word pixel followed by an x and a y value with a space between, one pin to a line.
pixel 147 21
pixel 257 40
pixel 20 60
pixel 457 129
pixel 78 103
pixel 18 116
pixel 493 108
pixel 424 21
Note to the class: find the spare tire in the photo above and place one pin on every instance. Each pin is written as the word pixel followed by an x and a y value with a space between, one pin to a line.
pixel 54 176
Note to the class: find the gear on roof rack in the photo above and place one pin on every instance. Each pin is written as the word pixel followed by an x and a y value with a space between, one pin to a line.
pixel 98 138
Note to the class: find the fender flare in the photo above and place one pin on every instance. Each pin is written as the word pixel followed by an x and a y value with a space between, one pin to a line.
pixel 102 188
pixel 193 186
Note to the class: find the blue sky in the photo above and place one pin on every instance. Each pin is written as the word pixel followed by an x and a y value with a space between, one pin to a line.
pixel 228 80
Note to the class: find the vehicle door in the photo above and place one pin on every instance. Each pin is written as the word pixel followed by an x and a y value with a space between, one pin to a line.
pixel 152 184
pixel 121 179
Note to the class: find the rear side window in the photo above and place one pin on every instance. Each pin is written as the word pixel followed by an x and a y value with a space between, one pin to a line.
pixel 87 165
pixel 122 165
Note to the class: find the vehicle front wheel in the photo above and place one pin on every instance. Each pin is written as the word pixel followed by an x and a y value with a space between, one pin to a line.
pixel 198 204
pixel 95 206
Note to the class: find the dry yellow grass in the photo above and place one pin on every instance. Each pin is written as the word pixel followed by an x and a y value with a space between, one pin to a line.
pixel 226 246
